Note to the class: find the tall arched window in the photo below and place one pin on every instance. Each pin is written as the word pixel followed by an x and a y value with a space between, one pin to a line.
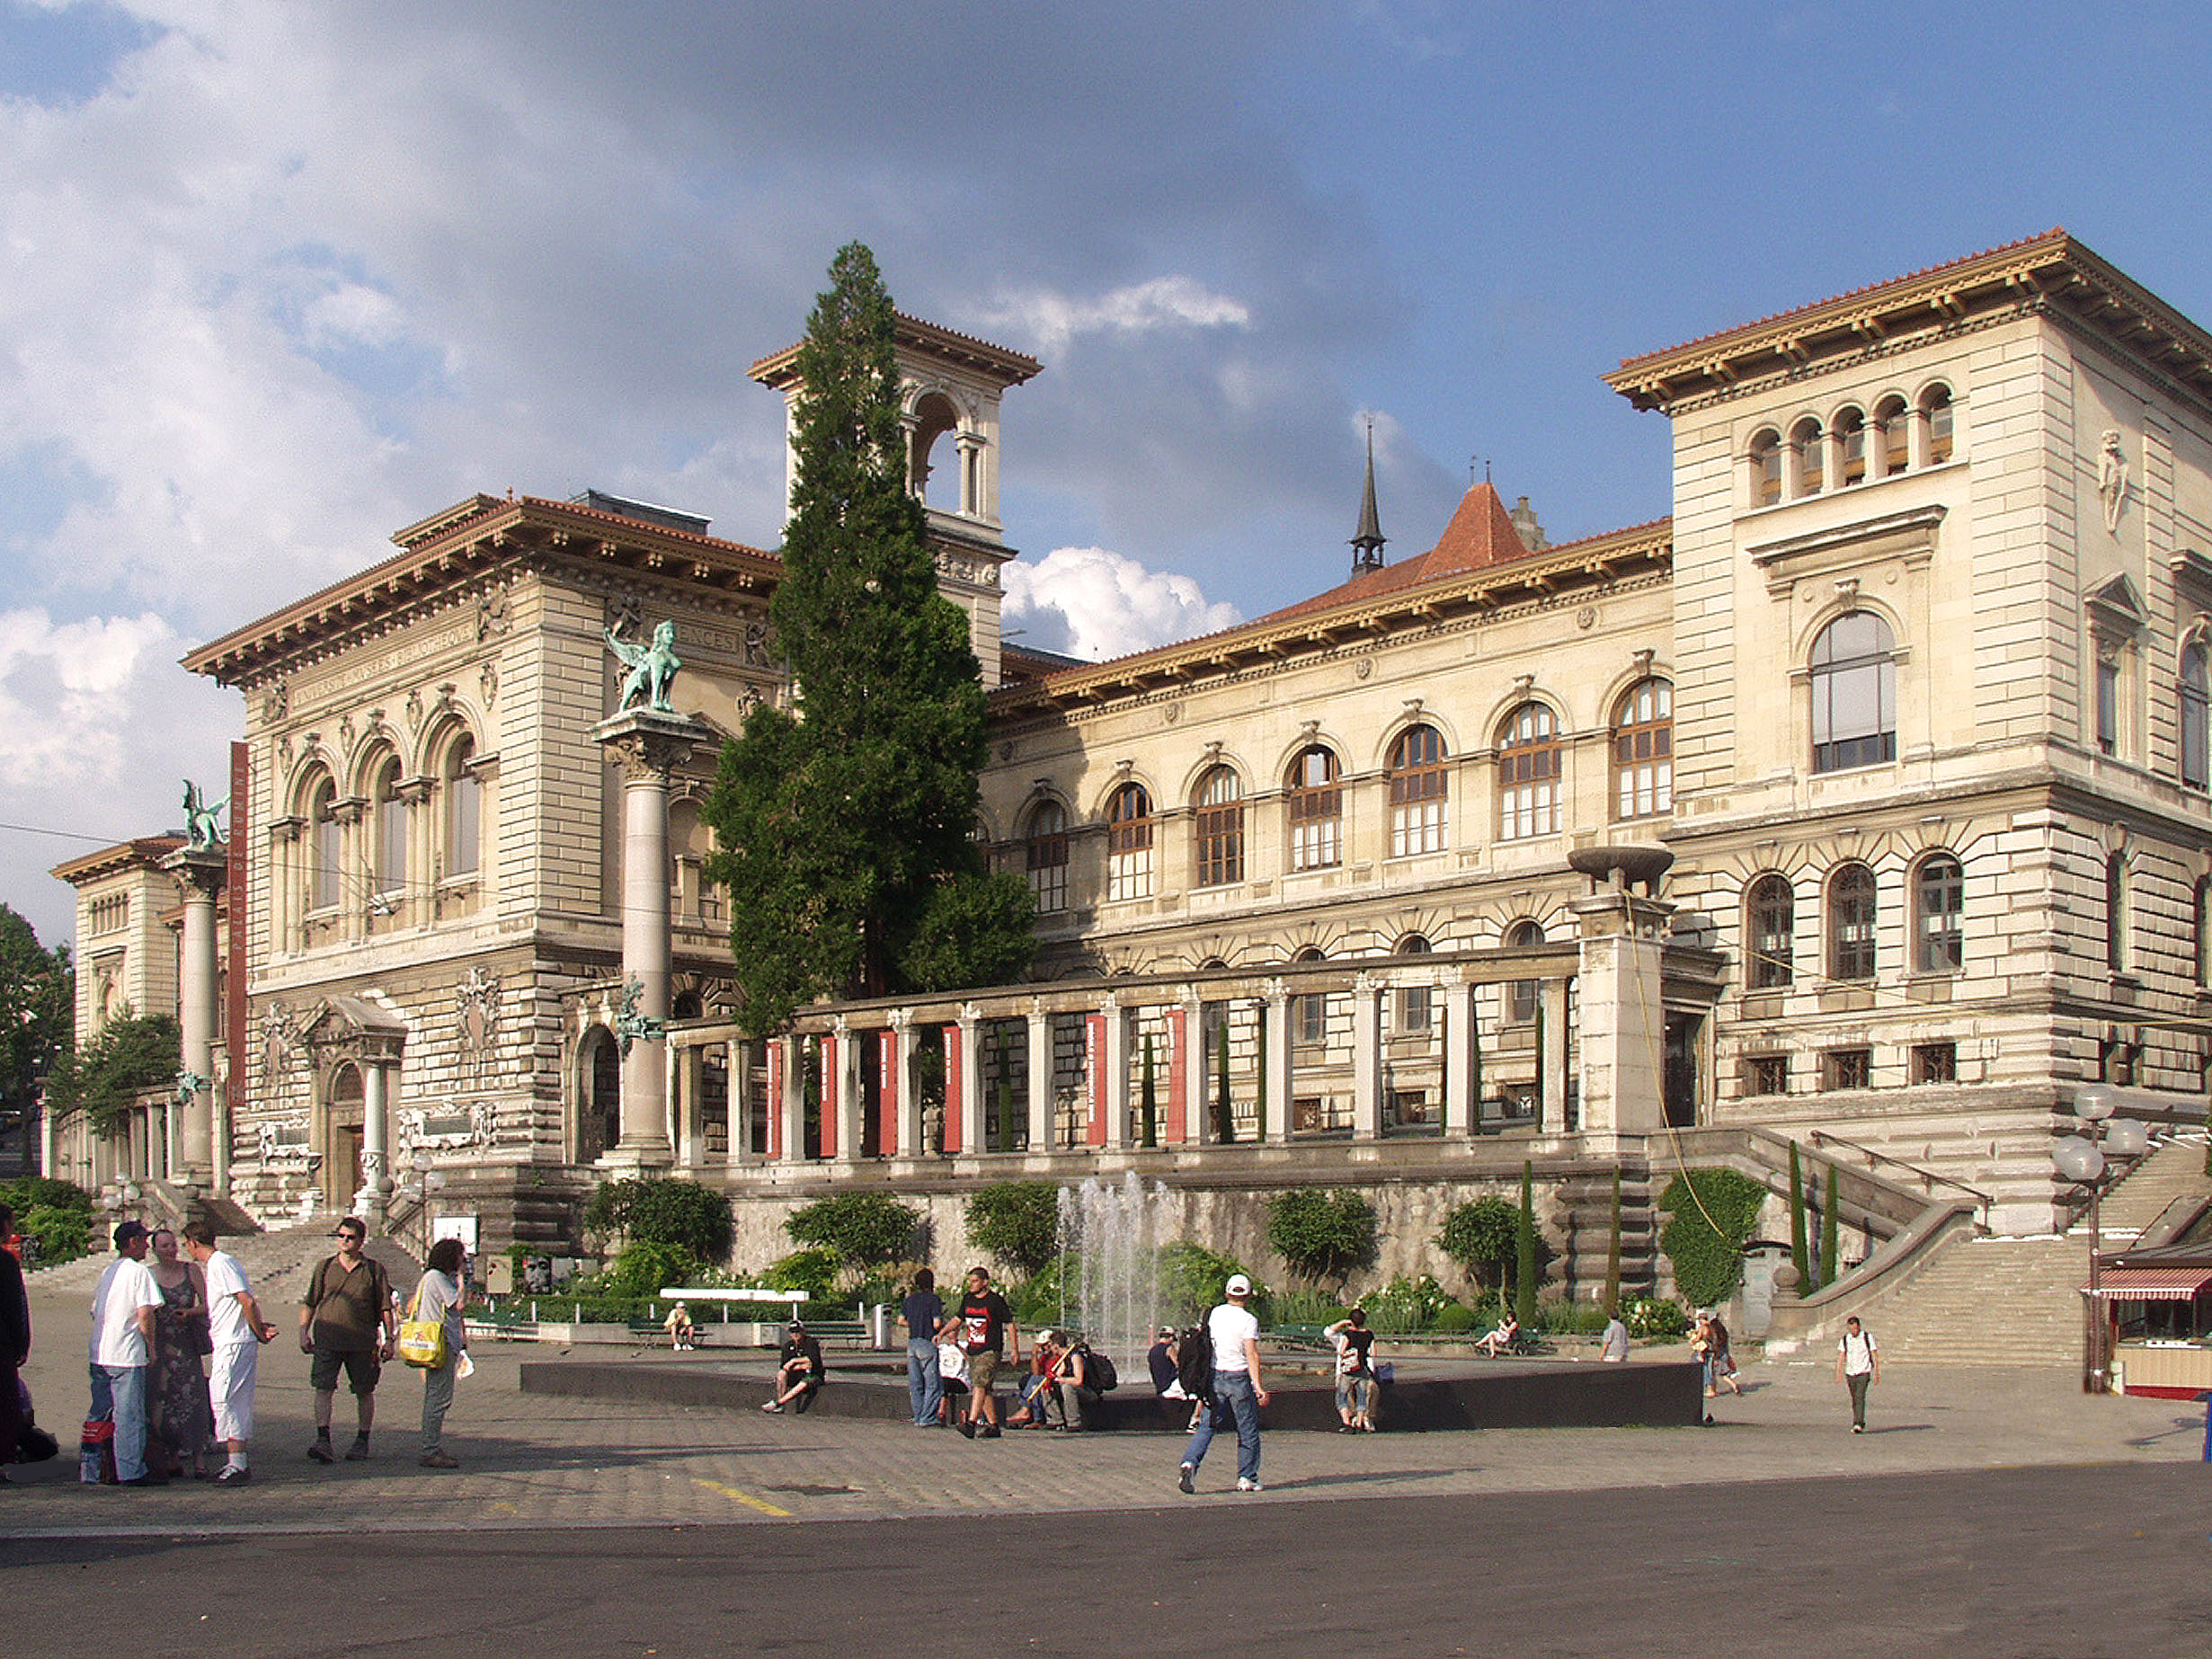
pixel 1851 923
pixel 1045 847
pixel 1310 1009
pixel 1765 457
pixel 1643 750
pixel 1220 828
pixel 1414 1013
pixel 464 804
pixel 2116 912
pixel 323 827
pixel 1769 924
pixel 1939 915
pixel 1935 412
pixel 1316 809
pixel 1809 446
pixel 1523 996
pixel 1419 789
pixel 1892 437
pixel 391 875
pixel 1854 684
pixel 1528 774
pixel 2196 700
pixel 1128 843
pixel 1850 448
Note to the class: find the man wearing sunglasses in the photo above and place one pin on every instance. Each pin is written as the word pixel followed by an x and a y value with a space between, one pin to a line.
pixel 346 1322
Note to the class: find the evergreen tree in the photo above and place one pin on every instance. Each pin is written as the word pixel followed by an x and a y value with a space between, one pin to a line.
pixel 1613 1251
pixel 1224 1115
pixel 1800 1257
pixel 1525 1249
pixel 38 1017
pixel 843 828
pixel 1829 1227
pixel 1149 1097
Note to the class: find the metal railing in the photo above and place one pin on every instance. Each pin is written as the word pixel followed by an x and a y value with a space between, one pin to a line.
pixel 1929 1178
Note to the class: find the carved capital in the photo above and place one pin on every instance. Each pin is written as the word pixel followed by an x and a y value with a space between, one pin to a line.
pixel 199 871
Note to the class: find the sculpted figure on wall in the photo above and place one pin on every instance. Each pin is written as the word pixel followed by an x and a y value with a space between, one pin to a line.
pixel 2111 478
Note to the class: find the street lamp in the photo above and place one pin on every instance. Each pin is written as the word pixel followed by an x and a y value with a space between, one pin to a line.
pixel 2081 1160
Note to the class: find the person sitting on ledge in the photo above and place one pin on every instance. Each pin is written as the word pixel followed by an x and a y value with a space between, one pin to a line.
pixel 798 1379
pixel 680 1330
pixel 1507 1330
pixel 1044 1361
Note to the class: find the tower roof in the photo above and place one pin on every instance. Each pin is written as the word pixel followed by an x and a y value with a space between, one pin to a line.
pixel 1367 540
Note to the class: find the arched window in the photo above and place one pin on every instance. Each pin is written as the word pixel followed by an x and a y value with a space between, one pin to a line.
pixel 1769 924
pixel 323 827
pixel 1528 774
pixel 1310 1009
pixel 1935 414
pixel 2116 912
pixel 1414 1013
pixel 1855 683
pixel 1809 446
pixel 2203 926
pixel 1046 849
pixel 1523 996
pixel 1939 915
pixel 1128 843
pixel 391 875
pixel 1765 457
pixel 1643 750
pixel 1851 923
pixel 2196 700
pixel 1317 811
pixel 464 813
pixel 1892 437
pixel 1850 449
pixel 1220 828
pixel 1419 786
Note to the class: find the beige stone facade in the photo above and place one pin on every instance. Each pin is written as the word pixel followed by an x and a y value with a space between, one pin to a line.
pixel 1910 689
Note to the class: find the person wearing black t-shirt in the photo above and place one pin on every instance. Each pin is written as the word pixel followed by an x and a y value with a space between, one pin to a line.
pixel 1356 1371
pixel 987 1335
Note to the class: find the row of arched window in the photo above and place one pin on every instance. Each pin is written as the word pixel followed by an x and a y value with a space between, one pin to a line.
pixel 453 793
pixel 1417 773
pixel 1850 904
pixel 1848 448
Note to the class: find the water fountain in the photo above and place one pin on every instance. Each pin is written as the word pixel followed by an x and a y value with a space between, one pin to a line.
pixel 1111 1292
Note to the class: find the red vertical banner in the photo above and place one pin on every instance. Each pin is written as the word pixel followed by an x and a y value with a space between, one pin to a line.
pixel 775 1097
pixel 1095 1073
pixel 1178 1101
pixel 955 1087
pixel 235 931
pixel 888 1095
pixel 830 1082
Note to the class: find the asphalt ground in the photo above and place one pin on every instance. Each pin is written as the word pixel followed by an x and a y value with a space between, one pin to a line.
pixel 1989 1511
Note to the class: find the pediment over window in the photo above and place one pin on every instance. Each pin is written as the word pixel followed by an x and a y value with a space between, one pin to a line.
pixel 2116 606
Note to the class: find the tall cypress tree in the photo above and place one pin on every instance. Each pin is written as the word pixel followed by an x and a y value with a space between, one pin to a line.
pixel 844 825
pixel 1830 1226
pixel 1525 1248
pixel 1800 1255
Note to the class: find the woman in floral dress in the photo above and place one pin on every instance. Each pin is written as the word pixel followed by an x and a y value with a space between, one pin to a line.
pixel 176 1388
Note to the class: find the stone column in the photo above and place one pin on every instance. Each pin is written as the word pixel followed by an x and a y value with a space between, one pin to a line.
pixel 222 1134
pixel 1367 994
pixel 971 1101
pixel 787 1096
pixel 691 1065
pixel 1552 1001
pixel 903 1100
pixel 737 1146
pixel 1276 1061
pixel 1186 1071
pixel 200 872
pixel 1112 1097
pixel 1040 1034
pixel 841 1055
pixel 648 745
pixel 375 1131
pixel 1623 1013
pixel 1458 1053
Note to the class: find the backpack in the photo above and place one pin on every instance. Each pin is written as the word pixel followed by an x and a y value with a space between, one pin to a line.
pixel 1098 1370
pixel 1194 1366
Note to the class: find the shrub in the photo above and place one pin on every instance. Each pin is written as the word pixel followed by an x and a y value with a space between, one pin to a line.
pixel 1655 1319
pixel 1017 1222
pixel 29 1193
pixel 63 1235
pixel 812 1273
pixel 1713 1211
pixel 1320 1234
pixel 1454 1319
pixel 645 1267
pixel 661 1209
pixel 1524 1247
pixel 1040 1299
pixel 860 1227
pixel 1562 1317
pixel 1305 1306
pixel 1478 1235
pixel 1191 1278
pixel 1406 1307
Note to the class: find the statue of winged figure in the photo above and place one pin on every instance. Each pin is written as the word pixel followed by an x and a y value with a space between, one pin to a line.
pixel 201 833
pixel 652 667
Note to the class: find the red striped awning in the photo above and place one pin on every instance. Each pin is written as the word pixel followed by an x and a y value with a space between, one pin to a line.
pixel 2152 1284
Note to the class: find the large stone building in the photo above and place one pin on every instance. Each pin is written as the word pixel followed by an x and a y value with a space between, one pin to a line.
pixel 1861 802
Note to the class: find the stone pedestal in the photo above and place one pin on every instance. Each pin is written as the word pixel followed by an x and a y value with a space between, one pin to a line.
pixel 648 745
pixel 1623 1013
pixel 200 872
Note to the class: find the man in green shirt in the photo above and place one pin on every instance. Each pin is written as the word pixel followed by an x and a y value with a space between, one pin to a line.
pixel 347 1323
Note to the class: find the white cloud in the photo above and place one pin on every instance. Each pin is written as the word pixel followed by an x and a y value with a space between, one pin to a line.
pixel 1087 602
pixel 1052 319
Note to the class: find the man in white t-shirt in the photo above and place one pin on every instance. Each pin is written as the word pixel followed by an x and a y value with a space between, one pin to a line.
pixel 1858 1367
pixel 124 1308
pixel 238 1330
pixel 1238 1391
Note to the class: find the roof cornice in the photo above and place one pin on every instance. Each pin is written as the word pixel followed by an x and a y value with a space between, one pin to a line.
pixel 2052 272
pixel 779 369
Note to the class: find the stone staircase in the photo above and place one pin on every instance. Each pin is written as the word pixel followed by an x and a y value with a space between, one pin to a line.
pixel 276 1264
pixel 2017 1302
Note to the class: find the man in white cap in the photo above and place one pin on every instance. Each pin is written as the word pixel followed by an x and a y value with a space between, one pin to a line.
pixel 1238 1391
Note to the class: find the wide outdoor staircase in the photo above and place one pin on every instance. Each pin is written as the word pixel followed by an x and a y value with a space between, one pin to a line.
pixel 276 1264
pixel 2017 1302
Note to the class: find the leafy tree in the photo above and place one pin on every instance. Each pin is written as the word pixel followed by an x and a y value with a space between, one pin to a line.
pixel 663 1209
pixel 38 1015
pixel 1712 1212
pixel 128 1057
pixel 812 1272
pixel 1480 1236
pixel 844 828
pixel 1191 1278
pixel 1017 1222
pixel 1321 1235
pixel 860 1227
pixel 1525 1248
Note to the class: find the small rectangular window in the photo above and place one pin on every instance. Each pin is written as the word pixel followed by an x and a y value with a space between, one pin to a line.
pixel 1935 1062
pixel 1766 1074
pixel 1847 1069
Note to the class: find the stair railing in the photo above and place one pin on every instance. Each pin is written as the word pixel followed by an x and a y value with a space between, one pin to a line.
pixel 1929 1178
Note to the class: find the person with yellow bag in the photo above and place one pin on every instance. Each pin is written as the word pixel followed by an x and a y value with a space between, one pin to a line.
pixel 434 1339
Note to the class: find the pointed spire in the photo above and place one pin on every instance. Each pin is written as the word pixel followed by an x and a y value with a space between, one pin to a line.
pixel 1368 539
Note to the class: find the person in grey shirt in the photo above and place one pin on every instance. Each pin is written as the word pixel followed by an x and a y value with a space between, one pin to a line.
pixel 1614 1346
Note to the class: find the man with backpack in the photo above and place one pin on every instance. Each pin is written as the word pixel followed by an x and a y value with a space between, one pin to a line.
pixel 1082 1379
pixel 1858 1367
pixel 1237 1390
pixel 346 1324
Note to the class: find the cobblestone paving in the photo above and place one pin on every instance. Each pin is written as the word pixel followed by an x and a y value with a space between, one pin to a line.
pixel 543 1461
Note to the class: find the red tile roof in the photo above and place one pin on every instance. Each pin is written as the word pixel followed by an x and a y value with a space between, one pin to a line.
pixel 1479 537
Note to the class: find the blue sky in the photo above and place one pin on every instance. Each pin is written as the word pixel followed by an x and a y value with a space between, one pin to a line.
pixel 277 278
